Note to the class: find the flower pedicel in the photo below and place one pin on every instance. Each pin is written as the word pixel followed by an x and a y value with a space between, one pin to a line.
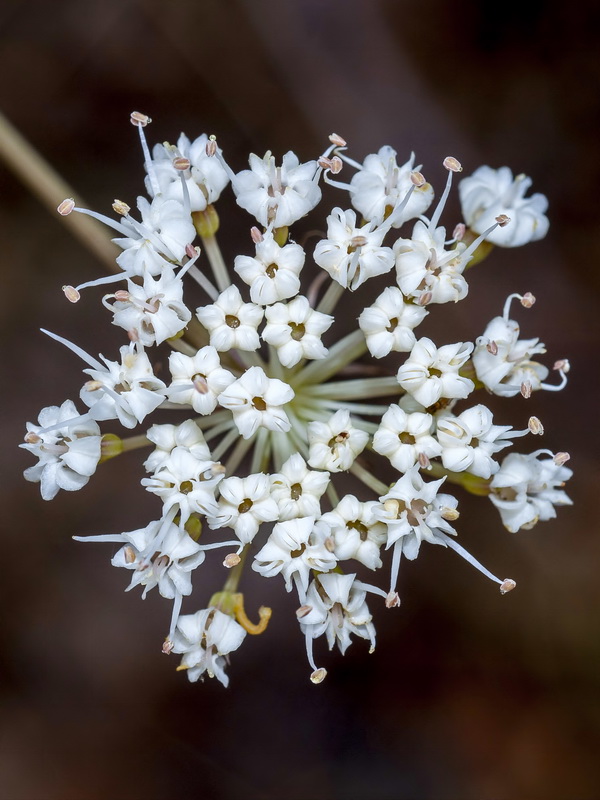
pixel 277 406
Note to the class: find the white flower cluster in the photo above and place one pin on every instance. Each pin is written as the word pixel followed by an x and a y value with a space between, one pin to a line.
pixel 277 407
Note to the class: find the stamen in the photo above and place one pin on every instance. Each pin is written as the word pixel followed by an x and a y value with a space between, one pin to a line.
pixel 501 221
pixel 453 545
pixel 452 165
pixel 75 349
pixel 140 121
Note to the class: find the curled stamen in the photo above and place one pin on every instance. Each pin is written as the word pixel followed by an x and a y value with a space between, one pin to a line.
pixel 264 614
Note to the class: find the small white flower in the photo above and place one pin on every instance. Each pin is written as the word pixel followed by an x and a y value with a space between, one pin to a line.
pixel 68 454
pixel 470 440
pixel 424 266
pixel 230 322
pixel 167 437
pixel 380 185
pixel 503 362
pixel 356 532
pixel 162 556
pixel 338 609
pixel 295 330
pixel 128 391
pixel 273 274
pixel 412 510
pixel 403 437
pixel 244 505
pixel 297 490
pixel 153 312
pixel 205 179
pixel 277 195
pixel 198 380
pixel 488 193
pixel 350 254
pixel 526 489
pixel 257 402
pixel 186 483
pixel 205 639
pixel 335 444
pixel 430 373
pixel 294 549
pixel 161 238
pixel 389 323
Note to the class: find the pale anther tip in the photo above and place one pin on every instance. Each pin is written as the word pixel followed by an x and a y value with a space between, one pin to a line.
pixel 527 300
pixel 507 586
pixel 337 140
pixel 139 120
pixel 417 179
pixel 561 458
pixel 71 294
pixel 452 164
pixel 65 208
pixel 319 675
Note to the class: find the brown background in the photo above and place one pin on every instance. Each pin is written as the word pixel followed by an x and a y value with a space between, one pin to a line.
pixel 468 695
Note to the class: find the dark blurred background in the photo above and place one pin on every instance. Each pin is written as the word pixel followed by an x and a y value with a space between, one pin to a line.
pixel 469 695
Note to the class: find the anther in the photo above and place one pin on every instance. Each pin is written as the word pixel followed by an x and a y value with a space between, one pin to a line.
pixel 191 251
pixel 337 140
pixel 449 514
pixel 535 426
pixel 425 299
pixel 424 461
pixel 167 647
pixel 452 164
pixel 563 365
pixel 303 611
pixel 139 120
pixel 211 146
pixel 459 231
pixel 129 554
pixel 561 458
pixel 319 675
pixel 232 560
pixel 392 600
pixel 32 438
pixel 66 207
pixel 133 335
pixel 358 241
pixel 122 295
pixel 71 294
pixel 526 389
pixel 200 384
pixel 527 300
pixel 507 585
pixel 329 544
pixel 391 506
pixel 181 163
pixel 336 165
pixel 417 179
pixel 492 348
pixel 502 220
pixel 92 386
pixel 256 235
pixel 121 208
